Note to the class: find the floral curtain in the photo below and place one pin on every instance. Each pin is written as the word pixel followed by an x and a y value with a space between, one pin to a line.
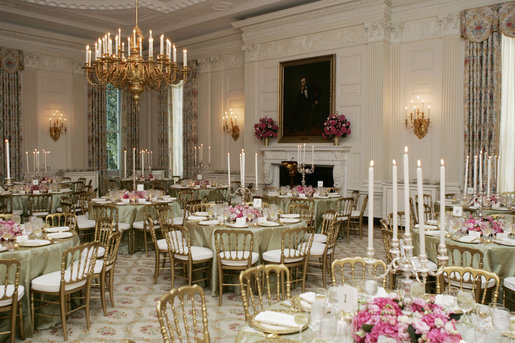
pixel 97 150
pixel 130 130
pixel 164 128
pixel 11 67
pixel 481 28
pixel 190 117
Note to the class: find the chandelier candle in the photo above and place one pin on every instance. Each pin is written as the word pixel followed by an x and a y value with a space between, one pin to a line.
pixel 489 175
pixel 406 193
pixel 27 160
pixel 371 207
pixel 475 175
pixel 394 202
pixel 44 159
pixel 465 185
pixel 124 163
pixel 422 236
pixel 480 172
pixel 442 202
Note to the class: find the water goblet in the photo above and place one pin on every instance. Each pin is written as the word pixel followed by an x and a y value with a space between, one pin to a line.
pixel 500 317
pixel 332 299
pixel 370 287
pixel 466 302
pixel 417 289
pixel 16 219
pixel 301 318
pixel 328 329
pixel 318 311
pixel 320 294
pixel 449 301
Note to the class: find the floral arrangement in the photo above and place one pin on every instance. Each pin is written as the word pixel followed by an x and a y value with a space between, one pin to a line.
pixel 201 183
pixel 480 224
pixel 148 176
pixel 418 321
pixel 336 125
pixel 239 211
pixel 266 127
pixel 307 190
pixel 134 196
pixel 9 230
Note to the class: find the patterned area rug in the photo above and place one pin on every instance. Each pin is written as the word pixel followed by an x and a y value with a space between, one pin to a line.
pixel 134 315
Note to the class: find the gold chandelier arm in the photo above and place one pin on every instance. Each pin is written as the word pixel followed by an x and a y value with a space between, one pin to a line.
pixel 90 81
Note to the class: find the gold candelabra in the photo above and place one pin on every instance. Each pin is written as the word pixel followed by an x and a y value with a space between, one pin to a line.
pixel 57 125
pixel 230 124
pixel 132 71
pixel 416 119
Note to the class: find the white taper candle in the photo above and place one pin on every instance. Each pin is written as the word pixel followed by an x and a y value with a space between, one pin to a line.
pixel 371 206
pixel 442 202
pixel 420 193
pixel 394 202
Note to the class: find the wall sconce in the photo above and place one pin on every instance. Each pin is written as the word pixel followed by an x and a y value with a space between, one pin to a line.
pixel 57 125
pixel 230 124
pixel 416 120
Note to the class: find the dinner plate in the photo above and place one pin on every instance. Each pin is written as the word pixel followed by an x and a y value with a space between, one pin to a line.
pixel 34 243
pixel 59 235
pixel 290 215
pixel 209 222
pixel 196 218
pixel 321 197
pixel 268 224
pixel 202 214
pixel 289 220
pixel 273 328
pixel 462 239
pixel 333 195
pixel 164 200
pixel 284 196
pixel 236 225
pixel 56 229
pixel 505 241
pixel 2 248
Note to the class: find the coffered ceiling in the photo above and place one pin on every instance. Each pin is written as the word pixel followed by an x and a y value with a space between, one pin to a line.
pixel 85 20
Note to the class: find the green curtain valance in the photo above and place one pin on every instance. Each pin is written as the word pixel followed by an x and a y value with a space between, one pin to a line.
pixel 477 24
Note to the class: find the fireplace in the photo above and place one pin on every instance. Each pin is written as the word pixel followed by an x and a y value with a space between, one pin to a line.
pixel 322 173
pixel 330 165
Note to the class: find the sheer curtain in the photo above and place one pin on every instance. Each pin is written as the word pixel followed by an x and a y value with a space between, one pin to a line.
pixel 177 129
pixel 507 127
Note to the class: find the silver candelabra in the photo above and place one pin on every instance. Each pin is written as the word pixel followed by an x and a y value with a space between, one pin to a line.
pixel 304 170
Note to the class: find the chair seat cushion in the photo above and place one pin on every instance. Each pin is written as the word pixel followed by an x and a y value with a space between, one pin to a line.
pixel 509 283
pixel 99 265
pixel 51 282
pixel 225 257
pixel 140 225
pixel 18 212
pixel 320 238
pixel 175 236
pixel 430 265
pixel 178 220
pixel 40 213
pixel 456 278
pixel 84 224
pixel 355 213
pixel 342 218
pixel 197 254
pixel 10 291
pixel 100 252
pixel 290 256
pixel 124 226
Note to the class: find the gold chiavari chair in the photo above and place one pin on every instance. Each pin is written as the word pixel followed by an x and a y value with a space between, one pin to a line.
pixel 332 189
pixel 184 196
pixel 104 269
pixel 387 233
pixel 66 205
pixel 62 219
pixel 323 253
pixel 509 292
pixel 401 220
pixel 178 315
pixel 148 210
pixel 234 186
pixel 262 286
pixel 160 246
pixel 413 212
pixel 77 265
pixel 356 217
pixel 358 270
pixel 175 179
pixel 186 257
pixel 83 200
pixel 305 208
pixel 6 204
pixel 103 229
pixel 355 199
pixel 39 205
pixel 457 276
pixel 7 216
pixel 111 211
pixel 451 196
pixel 234 251
pixel 268 189
pixel 328 217
pixel 294 253
pixel 11 295
pixel 344 208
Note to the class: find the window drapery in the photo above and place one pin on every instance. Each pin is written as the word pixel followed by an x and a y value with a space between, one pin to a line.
pixel 130 130
pixel 97 150
pixel 11 67
pixel 164 128
pixel 190 119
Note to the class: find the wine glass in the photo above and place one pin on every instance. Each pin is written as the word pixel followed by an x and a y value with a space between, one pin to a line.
pixel 370 287
pixel 16 219
pixel 301 318
pixel 449 302
pixel 318 311
pixel 466 301
pixel 500 317
pixel 332 298
pixel 417 289
pixel 483 322
pixel 320 294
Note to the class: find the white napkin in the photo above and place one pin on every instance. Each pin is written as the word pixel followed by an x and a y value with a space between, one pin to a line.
pixel 445 300
pixel 469 239
pixel 427 227
pixel 381 293
pixel 308 297
pixel 276 318
pixel 507 240
pixel 196 218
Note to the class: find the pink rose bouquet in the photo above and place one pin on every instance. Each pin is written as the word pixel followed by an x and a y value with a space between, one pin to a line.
pixel 420 321
pixel 240 211
pixel 480 224
pixel 266 127
pixel 307 190
pixel 336 125
pixel 9 230
pixel 134 196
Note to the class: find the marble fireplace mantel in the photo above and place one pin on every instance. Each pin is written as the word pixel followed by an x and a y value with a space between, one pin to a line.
pixel 330 155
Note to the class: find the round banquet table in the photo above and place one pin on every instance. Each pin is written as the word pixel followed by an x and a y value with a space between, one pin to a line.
pixel 198 193
pixel 265 238
pixel 21 201
pixel 320 205
pixel 149 184
pixel 35 262
pixel 497 258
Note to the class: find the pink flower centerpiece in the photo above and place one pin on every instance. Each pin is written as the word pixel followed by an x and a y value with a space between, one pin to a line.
pixel 243 211
pixel 134 196
pixel 485 225
pixel 306 190
pixel 201 183
pixel 336 125
pixel 9 230
pixel 265 128
pixel 420 321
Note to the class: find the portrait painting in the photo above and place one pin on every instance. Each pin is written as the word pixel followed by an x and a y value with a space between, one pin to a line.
pixel 306 98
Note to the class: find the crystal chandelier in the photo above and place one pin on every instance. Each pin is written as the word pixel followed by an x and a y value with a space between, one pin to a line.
pixel 127 69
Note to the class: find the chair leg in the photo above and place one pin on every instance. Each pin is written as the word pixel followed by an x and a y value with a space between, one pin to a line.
pixel 62 304
pixel 13 320
pixel 145 240
pixel 33 323
pixel 172 270
pixel 102 292
pixel 88 290
pixel 22 327
pixel 324 283
pixel 111 284
pixel 157 266
pixel 220 286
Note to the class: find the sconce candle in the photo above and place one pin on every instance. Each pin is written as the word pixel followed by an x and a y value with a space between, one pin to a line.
pixel 57 125
pixel 416 119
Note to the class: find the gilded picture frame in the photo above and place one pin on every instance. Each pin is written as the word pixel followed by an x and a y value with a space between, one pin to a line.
pixel 306 98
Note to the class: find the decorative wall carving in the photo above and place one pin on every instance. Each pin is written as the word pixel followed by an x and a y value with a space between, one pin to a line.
pixel 220 62
pixel 52 63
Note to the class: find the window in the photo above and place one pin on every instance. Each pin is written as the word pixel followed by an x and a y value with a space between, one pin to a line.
pixel 175 140
pixel 507 124
pixel 113 109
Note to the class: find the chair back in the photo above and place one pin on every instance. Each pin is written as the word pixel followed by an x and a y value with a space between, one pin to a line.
pixel 344 207
pixel 182 315
pixel 295 244
pixel 262 286
pixel 328 217
pixel 105 211
pixel 234 247
pixel 77 264
pixel 358 271
pixel 164 215
pixel 386 230
pixel 83 200
pixel 62 219
pixel 104 227
pixel 412 212
pixel 427 199
pixel 40 203
pixel 178 240
pixel 332 236
pixel 184 196
pixel 10 278
pixel 6 203
pixel 113 184
pixel 464 256
pixel 175 179
pixel 364 204
pixel 153 234
pixel 479 279
pixel 7 216
pixel 401 220
pixel 112 246
pixel 67 205
pixel 355 197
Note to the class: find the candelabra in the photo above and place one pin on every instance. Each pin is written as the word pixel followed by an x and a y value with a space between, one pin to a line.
pixel 201 168
pixel 304 170
pixel 245 193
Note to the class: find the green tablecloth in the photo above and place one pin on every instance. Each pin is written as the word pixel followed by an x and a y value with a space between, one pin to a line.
pixel 35 262
pixel 21 201
pixel 198 193
pixel 497 258
pixel 265 238
pixel 129 213
pixel 149 184
pixel 320 206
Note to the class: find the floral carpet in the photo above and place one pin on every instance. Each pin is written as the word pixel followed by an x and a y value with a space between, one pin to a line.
pixel 134 315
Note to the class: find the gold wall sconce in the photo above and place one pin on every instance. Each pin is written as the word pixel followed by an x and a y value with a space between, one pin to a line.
pixel 415 117
pixel 57 125
pixel 230 124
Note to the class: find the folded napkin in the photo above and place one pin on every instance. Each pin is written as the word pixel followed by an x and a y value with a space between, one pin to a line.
pixel 196 218
pixel 308 297
pixel 277 319
pixel 427 227
pixel 507 240
pixel 381 293
pixel 446 301
pixel 469 239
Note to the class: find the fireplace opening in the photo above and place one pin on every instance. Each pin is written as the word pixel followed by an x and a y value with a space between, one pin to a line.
pixel 321 173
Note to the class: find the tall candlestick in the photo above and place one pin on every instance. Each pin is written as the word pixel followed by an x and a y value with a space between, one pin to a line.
pixel 312 157
pixel 466 184
pixel 475 174
pixel 481 171
pixel 201 153
pixel 406 192
pixel 195 159
pixel 394 202
pixel 150 45
pixel 489 175
pixel 298 155
pixel 371 206
pixel 133 162
pixel 256 167
pixel 497 172
pixel 442 203
pixel 37 160
pixel 174 49
pixel 184 57
pixel 304 155
pixel 34 159
pixel 161 44
pixel 124 163
pixel 27 160
pixel 229 169
pixel 209 155
pixel 243 165
pixel 142 162
pixel 44 159
pixel 241 172
pixel 8 163
pixel 420 192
